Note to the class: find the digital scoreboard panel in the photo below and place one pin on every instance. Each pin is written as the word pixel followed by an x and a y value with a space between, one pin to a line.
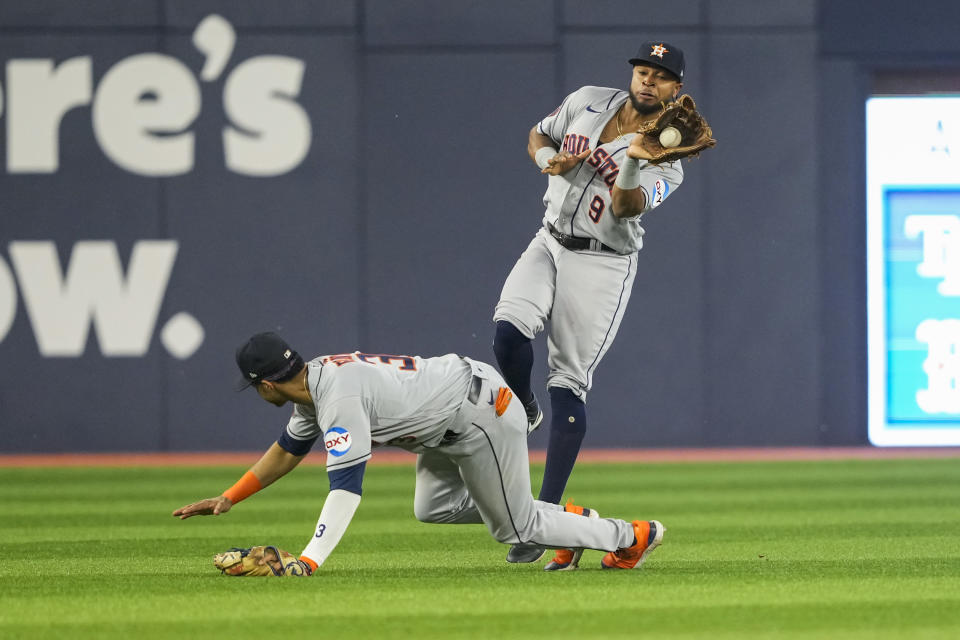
pixel 913 270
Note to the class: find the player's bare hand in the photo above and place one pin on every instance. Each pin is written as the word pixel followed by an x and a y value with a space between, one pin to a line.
pixel 563 162
pixel 208 507
pixel 638 150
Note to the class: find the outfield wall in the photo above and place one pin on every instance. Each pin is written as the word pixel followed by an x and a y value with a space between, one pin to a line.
pixel 177 175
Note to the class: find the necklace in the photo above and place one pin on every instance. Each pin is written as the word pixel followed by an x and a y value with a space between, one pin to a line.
pixel 619 131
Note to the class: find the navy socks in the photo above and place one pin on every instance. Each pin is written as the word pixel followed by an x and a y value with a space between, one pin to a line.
pixel 514 352
pixel 568 424
pixel 568 415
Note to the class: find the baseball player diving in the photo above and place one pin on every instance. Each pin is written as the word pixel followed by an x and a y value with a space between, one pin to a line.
pixel 610 157
pixel 457 414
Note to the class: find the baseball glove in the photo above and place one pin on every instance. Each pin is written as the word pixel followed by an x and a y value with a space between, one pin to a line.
pixel 260 561
pixel 696 134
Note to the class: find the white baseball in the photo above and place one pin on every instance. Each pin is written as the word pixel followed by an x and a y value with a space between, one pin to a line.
pixel 670 137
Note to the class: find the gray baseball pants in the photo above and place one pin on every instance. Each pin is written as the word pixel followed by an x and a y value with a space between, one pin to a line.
pixel 482 474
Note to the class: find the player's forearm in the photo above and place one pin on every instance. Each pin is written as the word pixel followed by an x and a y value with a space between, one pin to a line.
pixel 275 463
pixel 627 198
pixel 537 141
pixel 627 203
pixel 335 517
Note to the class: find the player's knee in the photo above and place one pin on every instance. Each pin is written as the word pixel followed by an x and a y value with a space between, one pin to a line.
pixel 426 509
pixel 440 512
pixel 505 535
pixel 424 514
pixel 520 529
pixel 574 385
pixel 423 508
pixel 564 396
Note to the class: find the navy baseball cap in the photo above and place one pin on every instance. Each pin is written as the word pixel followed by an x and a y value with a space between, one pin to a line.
pixel 267 356
pixel 661 54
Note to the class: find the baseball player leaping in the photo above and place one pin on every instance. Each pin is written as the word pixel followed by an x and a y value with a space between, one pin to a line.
pixel 609 161
pixel 457 414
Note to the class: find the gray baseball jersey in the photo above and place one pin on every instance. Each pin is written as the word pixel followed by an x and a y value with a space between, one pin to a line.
pixel 364 400
pixel 578 201
pixel 584 293
pixel 473 464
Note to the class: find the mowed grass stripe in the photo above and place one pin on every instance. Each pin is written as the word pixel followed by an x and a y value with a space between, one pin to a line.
pixel 789 550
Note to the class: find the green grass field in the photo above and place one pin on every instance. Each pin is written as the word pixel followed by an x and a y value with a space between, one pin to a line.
pixel 859 549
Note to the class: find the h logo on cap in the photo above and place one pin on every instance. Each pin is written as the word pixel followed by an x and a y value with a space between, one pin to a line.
pixel 659 54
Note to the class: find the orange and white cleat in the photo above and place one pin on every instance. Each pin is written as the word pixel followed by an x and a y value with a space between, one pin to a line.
pixel 649 534
pixel 569 559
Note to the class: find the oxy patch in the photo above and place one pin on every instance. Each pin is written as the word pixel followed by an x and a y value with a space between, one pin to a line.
pixel 660 190
pixel 337 441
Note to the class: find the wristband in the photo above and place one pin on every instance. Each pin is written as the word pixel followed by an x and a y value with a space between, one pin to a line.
pixel 629 176
pixel 245 487
pixel 310 563
pixel 543 156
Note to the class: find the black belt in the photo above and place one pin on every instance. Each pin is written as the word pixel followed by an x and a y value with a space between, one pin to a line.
pixel 575 243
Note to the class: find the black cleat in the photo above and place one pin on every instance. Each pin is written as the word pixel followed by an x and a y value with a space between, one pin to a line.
pixel 525 552
pixel 534 414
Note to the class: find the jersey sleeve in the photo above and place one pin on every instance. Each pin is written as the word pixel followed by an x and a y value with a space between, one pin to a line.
pixel 597 99
pixel 659 181
pixel 349 479
pixel 300 433
pixel 346 433
pixel 555 125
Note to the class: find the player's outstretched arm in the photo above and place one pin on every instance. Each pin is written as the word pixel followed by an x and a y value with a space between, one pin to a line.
pixel 273 465
pixel 563 162
pixel 335 517
pixel 537 141
pixel 541 150
pixel 627 203
pixel 206 507
pixel 627 199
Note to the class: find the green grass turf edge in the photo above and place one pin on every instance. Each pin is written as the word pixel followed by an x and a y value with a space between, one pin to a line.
pixel 866 548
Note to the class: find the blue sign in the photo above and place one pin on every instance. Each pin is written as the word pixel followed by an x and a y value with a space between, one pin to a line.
pixel 923 329
pixel 913 249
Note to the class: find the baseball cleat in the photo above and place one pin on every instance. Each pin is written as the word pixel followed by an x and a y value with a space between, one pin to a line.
pixel 564 560
pixel 525 552
pixel 569 559
pixel 534 414
pixel 649 535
